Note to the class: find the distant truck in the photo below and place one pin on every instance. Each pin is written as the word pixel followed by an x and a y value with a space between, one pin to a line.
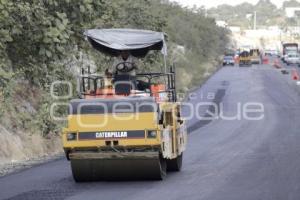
pixel 255 56
pixel 289 48
pixel 272 52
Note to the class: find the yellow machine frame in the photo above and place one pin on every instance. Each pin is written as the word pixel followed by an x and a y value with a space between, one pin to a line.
pixel 102 143
pixel 169 142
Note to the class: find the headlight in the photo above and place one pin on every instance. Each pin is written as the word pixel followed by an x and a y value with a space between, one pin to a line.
pixel 151 134
pixel 71 136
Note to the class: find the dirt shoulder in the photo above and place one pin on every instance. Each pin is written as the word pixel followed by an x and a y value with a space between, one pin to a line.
pixel 16 166
pixel 21 150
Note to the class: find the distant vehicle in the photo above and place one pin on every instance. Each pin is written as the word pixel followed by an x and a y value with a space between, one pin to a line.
pixel 288 48
pixel 255 56
pixel 228 60
pixel 245 59
pixel 271 52
pixel 293 59
pixel 284 57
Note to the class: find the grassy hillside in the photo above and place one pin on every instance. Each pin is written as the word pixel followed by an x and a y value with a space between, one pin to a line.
pixel 41 42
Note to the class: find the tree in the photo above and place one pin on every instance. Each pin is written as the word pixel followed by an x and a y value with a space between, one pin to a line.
pixel 290 3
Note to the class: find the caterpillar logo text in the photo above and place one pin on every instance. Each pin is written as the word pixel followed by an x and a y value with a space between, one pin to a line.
pixel 111 134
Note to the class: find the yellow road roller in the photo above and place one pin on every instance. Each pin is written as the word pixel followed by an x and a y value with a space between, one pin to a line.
pixel 245 59
pixel 125 125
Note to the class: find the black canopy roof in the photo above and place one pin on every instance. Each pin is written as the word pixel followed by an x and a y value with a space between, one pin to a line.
pixel 138 42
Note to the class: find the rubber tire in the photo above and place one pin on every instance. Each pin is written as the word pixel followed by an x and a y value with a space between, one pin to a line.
pixel 163 168
pixel 174 165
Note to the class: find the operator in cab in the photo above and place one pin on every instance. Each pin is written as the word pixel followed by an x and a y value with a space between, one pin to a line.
pixel 126 64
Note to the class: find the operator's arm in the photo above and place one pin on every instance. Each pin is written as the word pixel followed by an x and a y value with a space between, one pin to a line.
pixel 134 62
pixel 113 68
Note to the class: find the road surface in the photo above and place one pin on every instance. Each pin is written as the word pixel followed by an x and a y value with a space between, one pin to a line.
pixel 225 159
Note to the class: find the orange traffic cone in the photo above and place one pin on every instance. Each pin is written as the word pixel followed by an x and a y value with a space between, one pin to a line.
pixel 265 60
pixel 295 75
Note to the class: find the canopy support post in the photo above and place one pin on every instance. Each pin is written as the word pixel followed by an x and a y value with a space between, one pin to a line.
pixel 165 63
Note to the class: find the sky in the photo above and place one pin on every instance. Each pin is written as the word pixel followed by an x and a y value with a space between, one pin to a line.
pixel 214 3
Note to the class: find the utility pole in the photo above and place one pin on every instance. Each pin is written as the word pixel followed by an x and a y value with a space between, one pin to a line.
pixel 254 23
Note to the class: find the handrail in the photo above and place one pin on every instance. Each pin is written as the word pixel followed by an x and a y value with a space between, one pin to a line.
pixel 171 89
